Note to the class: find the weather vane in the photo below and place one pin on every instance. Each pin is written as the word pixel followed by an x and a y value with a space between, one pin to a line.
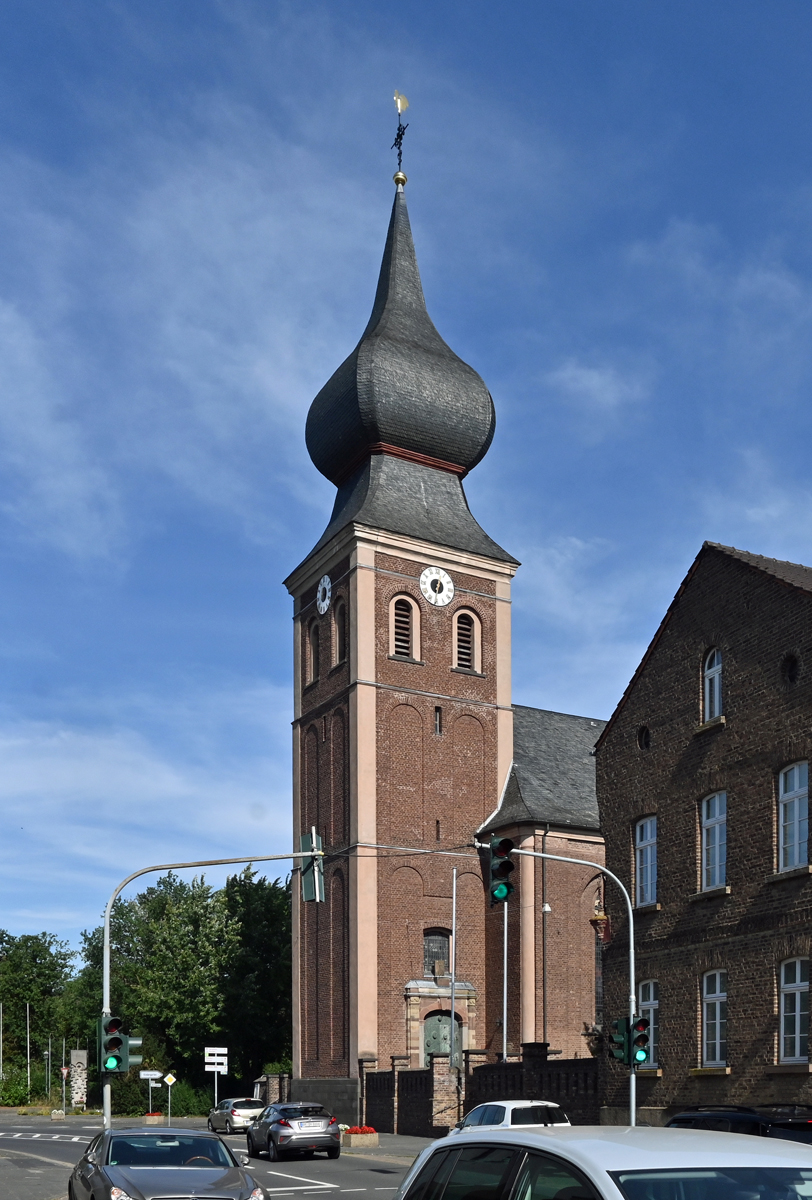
pixel 401 103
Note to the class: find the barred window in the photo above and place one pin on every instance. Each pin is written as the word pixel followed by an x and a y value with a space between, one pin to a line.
pixel 340 632
pixel 436 948
pixel 313 653
pixel 465 641
pixel 403 629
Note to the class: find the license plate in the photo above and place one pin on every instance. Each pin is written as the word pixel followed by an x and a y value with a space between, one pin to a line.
pixel 310 1124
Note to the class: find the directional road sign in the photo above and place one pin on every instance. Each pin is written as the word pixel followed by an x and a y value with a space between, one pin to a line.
pixel 149 1074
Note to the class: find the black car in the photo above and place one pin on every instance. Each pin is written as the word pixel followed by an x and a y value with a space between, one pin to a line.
pixel 141 1164
pixel 282 1129
pixel 793 1122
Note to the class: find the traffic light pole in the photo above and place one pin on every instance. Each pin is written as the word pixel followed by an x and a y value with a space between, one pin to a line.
pixel 208 862
pixel 583 862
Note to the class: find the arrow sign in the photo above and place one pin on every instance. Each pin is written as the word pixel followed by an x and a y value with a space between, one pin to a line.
pixel 149 1074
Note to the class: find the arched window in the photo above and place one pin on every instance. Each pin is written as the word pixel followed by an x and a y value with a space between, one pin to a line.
pixel 340 633
pixel 712 674
pixel 795 1010
pixel 645 861
pixel 313 653
pixel 436 949
pixel 467 641
pixel 404 628
pixel 714 841
pixel 649 1007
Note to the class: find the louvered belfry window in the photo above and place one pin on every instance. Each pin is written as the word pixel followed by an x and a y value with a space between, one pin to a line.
pixel 465 642
pixel 403 628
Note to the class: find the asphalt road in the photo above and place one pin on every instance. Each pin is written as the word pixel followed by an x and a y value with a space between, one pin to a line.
pixel 37 1155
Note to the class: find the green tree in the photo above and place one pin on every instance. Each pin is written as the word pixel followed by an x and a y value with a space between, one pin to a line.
pixel 256 992
pixel 35 970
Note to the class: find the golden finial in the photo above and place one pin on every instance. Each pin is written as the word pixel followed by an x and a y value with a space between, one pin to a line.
pixel 401 103
pixel 399 178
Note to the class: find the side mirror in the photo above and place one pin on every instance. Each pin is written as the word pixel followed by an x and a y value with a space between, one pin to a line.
pixel 91 1158
pixel 245 1161
pixel 459 1125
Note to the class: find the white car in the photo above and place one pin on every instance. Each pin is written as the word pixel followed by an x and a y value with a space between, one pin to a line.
pixel 609 1162
pixel 510 1113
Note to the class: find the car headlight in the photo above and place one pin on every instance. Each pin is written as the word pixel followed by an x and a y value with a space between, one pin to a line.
pixel 257 1194
pixel 117 1193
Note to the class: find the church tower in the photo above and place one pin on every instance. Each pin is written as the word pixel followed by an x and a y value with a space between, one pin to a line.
pixel 403 726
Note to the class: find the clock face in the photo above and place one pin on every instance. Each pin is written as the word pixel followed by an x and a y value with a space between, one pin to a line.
pixel 323 592
pixel 437 586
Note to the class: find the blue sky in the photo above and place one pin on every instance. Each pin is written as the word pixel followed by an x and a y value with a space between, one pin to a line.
pixel 612 206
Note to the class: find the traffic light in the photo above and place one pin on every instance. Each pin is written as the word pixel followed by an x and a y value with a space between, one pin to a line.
pixel 620 1042
pixel 112 1053
pixel 115 1047
pixel 501 867
pixel 640 1040
pixel 132 1043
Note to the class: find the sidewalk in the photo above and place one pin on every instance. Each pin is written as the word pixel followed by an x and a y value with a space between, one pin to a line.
pixel 394 1147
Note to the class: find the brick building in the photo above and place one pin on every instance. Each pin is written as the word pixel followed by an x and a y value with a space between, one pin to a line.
pixel 702 792
pixel 404 730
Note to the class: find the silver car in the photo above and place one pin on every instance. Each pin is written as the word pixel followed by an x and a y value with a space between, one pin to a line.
pixel 233 1116
pixel 287 1128
pixel 142 1164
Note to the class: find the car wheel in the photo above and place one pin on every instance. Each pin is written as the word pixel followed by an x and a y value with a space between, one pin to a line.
pixel 334 1152
pixel 229 1128
pixel 273 1153
pixel 211 1127
pixel 252 1150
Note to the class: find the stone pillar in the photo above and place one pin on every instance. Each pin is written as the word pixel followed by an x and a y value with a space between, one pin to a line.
pixel 445 1105
pixel 399 1062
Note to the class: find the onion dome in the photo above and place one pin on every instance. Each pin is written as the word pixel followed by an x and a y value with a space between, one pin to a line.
pixel 402 392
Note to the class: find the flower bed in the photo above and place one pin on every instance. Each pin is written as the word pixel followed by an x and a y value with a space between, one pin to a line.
pixel 359 1135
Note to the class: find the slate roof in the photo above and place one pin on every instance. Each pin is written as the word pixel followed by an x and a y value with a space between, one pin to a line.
pixel 553 775
pixel 403 497
pixel 402 385
pixel 793 574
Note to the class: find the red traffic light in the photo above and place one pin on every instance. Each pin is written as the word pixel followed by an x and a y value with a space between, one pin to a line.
pixel 501 847
pixel 112 1024
pixel 641 1025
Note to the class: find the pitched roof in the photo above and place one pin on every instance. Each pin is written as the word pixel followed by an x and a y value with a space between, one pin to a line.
pixel 552 780
pixel 792 574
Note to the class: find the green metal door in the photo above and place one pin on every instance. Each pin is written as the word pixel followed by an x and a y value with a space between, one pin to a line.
pixel 437 1037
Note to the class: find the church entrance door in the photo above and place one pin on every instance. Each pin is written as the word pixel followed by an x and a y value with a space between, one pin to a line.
pixel 437 1037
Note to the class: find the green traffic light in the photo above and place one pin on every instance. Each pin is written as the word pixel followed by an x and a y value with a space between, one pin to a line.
pixel 501 891
pixel 112 1062
pixel 640 1056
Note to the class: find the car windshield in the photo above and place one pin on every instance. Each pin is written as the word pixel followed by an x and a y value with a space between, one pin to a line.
pixel 167 1150
pixel 542 1114
pixel 247 1104
pixel 720 1183
pixel 295 1114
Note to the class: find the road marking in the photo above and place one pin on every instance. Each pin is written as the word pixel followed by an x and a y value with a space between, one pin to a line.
pixel 54 1137
pixel 356 1189
pixel 302 1179
pixel 389 1189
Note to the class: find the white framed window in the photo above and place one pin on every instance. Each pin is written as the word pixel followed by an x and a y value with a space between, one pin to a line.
pixel 795 1010
pixel 645 860
pixel 436 948
pixel 714 1019
pixel 712 677
pixel 714 841
pixel 648 996
pixel 793 816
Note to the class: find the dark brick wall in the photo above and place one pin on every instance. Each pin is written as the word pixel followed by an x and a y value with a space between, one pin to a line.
pixel 755 620
pixel 339 1096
